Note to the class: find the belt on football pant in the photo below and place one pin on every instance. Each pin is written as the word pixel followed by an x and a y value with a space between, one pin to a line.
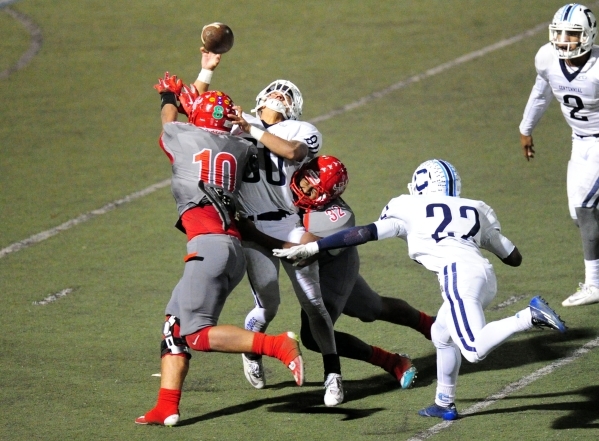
pixel 269 216
pixel 594 135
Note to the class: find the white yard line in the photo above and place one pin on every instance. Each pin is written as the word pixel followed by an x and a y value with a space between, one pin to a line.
pixel 347 108
pixel 54 297
pixel 510 389
pixel 37 238
pixel 36 39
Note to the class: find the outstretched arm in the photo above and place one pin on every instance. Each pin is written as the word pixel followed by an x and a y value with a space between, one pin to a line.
pixel 209 62
pixel 292 150
pixel 343 239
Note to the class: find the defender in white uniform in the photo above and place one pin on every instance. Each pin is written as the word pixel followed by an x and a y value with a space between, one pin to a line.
pixel 567 69
pixel 445 234
pixel 284 143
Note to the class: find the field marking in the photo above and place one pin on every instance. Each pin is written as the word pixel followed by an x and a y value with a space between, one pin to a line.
pixel 508 302
pixel 347 108
pixel 37 238
pixel 54 297
pixel 36 39
pixel 511 388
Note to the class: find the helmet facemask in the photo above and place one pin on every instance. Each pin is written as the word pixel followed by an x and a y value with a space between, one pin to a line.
pixel 326 175
pixel 570 21
pixel 290 109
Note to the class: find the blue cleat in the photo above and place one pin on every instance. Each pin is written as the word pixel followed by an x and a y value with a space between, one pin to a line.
pixel 448 413
pixel 545 317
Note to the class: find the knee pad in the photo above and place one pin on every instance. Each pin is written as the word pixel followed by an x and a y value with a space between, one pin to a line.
pixel 172 343
pixel 306 334
pixel 198 341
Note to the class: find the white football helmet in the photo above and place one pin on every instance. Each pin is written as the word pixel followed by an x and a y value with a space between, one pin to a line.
pixel 435 177
pixel 292 109
pixel 573 19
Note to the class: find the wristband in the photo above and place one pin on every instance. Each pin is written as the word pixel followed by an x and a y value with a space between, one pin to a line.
pixel 256 133
pixel 168 98
pixel 205 76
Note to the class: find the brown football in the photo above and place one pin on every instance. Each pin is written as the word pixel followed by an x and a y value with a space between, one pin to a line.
pixel 217 38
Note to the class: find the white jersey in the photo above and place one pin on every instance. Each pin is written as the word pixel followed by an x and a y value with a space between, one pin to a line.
pixel 576 90
pixel 268 189
pixel 442 229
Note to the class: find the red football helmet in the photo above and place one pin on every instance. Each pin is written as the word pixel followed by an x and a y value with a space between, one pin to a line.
pixel 326 175
pixel 209 111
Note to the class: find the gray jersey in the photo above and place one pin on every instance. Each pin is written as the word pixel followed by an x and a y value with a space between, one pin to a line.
pixel 268 190
pixel 195 154
pixel 332 218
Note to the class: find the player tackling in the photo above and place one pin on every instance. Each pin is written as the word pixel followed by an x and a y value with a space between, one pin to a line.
pixel 445 234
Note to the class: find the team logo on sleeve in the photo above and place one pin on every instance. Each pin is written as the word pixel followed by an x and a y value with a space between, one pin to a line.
pixel 312 142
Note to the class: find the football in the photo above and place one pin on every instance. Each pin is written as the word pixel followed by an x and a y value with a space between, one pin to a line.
pixel 217 38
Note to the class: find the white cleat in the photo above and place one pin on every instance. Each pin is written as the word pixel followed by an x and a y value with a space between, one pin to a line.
pixel 333 390
pixel 254 371
pixel 585 295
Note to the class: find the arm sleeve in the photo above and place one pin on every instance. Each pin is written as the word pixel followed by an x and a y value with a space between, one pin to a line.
pixel 349 237
pixel 538 102
pixel 498 244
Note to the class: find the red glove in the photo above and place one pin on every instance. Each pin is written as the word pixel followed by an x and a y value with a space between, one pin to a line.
pixel 187 97
pixel 169 84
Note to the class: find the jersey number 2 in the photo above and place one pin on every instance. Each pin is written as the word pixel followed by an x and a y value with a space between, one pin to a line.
pixel 439 233
pixel 576 106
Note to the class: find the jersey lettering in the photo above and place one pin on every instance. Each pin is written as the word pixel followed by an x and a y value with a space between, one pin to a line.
pixel 440 233
pixel 213 172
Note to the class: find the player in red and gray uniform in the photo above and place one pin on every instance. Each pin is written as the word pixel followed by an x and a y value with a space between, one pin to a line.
pixel 317 187
pixel 284 144
pixel 207 165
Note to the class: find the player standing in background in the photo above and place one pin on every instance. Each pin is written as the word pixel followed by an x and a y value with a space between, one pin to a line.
pixel 317 188
pixel 207 164
pixel 567 68
pixel 445 234
pixel 284 143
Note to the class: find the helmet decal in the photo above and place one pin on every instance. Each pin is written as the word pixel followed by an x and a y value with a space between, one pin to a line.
pixel 435 176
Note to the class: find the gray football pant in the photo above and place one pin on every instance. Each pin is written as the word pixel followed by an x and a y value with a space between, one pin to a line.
pixel 263 274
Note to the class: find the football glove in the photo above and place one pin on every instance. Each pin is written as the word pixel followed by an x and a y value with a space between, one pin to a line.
pixel 298 252
pixel 187 97
pixel 169 84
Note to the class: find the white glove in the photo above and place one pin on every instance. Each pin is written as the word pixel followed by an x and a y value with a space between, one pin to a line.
pixel 297 252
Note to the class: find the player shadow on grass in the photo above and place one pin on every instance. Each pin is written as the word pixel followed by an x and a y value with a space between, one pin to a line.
pixel 544 346
pixel 310 401
pixel 583 413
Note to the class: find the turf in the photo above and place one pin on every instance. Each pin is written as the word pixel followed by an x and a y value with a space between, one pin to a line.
pixel 79 130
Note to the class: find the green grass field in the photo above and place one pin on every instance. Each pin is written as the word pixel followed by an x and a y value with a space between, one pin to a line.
pixel 79 127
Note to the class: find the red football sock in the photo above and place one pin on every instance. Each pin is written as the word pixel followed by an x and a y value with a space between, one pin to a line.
pixel 166 405
pixel 280 346
pixel 424 326
pixel 382 358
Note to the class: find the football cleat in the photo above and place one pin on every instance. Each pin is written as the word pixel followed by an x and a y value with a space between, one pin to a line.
pixel 333 390
pixel 585 295
pixel 297 364
pixel 545 317
pixel 448 413
pixel 403 370
pixel 171 420
pixel 254 371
